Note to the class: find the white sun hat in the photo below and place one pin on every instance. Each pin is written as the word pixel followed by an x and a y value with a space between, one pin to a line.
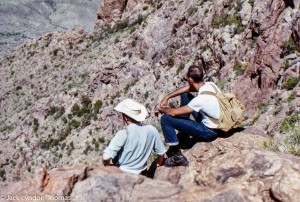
pixel 133 109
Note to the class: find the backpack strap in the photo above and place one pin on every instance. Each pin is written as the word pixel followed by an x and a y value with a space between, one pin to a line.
pixel 208 93
pixel 215 121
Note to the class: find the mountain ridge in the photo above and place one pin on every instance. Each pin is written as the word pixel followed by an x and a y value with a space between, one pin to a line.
pixel 23 20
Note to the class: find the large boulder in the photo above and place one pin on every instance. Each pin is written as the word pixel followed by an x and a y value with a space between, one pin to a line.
pixel 236 168
pixel 229 169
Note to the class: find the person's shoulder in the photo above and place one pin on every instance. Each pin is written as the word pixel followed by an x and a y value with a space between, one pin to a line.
pixel 151 128
pixel 210 83
pixel 121 132
pixel 209 86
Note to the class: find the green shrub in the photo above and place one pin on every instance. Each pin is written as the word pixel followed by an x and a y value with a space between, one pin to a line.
pixel 263 107
pixel 85 110
pixel 75 109
pixel 2 174
pixel 85 121
pixel 239 6
pixel 19 88
pixel 288 46
pixel 85 101
pixel 35 124
pixel 203 48
pixel 59 112
pixel 64 133
pixel 191 10
pixel 251 2
pixel 225 19
pixel 74 123
pixel 132 29
pixel 159 5
pixel 47 144
pixel 286 64
pixel 53 109
pixel 120 25
pixel 96 144
pixel 295 138
pixel 97 106
pixel 170 61
pixel 145 8
pixel 101 139
pixel 180 68
pixel 239 68
pixel 271 145
pixel 146 95
pixel 292 141
pixel 87 148
pixel 290 83
pixel 107 141
pixel 294 151
pixel 7 128
pixel 291 97
pixel 206 11
pixel 70 148
pixel 288 123
pixel 253 42
pixel 117 40
pixel 133 44
pixel 129 86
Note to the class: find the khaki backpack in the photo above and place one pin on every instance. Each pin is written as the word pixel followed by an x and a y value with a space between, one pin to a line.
pixel 231 110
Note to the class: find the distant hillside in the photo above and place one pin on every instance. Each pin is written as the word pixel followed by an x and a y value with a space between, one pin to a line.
pixel 21 20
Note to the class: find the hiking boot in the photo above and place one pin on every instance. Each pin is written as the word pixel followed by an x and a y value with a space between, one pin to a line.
pixel 170 153
pixel 176 160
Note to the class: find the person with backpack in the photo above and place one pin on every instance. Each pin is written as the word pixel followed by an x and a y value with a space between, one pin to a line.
pixel 204 108
pixel 131 147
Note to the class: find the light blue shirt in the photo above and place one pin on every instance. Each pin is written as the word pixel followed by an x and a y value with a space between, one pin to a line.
pixel 138 141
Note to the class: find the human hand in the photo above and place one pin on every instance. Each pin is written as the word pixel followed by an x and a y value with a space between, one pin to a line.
pixel 156 112
pixel 164 103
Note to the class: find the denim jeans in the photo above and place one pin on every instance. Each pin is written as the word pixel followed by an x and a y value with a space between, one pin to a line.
pixel 185 125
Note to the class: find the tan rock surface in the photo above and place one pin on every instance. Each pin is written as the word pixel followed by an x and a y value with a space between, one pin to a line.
pixel 228 169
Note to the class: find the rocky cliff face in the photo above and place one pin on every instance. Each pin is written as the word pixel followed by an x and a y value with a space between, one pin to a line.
pixel 230 169
pixel 22 20
pixel 58 92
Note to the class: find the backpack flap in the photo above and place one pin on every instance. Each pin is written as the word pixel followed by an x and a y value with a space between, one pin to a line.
pixel 231 110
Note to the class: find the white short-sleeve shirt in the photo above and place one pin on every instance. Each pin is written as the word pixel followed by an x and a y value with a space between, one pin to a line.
pixel 206 105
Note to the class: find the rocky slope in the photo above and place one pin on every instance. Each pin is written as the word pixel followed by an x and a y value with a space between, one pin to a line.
pixel 58 92
pixel 22 20
pixel 230 169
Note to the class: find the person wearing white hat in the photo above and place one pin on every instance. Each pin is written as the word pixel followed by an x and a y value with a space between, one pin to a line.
pixel 132 146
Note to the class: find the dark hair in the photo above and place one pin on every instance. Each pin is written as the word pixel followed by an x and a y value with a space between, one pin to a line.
pixel 133 120
pixel 196 73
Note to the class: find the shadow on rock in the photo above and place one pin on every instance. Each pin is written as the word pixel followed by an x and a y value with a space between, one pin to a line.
pixel 187 141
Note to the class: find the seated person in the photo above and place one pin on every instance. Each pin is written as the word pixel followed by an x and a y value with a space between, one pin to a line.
pixel 132 146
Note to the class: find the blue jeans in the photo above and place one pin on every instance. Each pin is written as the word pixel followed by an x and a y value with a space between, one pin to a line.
pixel 185 125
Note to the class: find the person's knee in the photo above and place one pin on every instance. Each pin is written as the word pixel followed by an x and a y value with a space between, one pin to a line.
pixel 164 119
pixel 184 96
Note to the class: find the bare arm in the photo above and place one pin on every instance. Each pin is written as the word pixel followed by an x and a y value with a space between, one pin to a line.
pixel 106 162
pixel 160 160
pixel 176 111
pixel 179 91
